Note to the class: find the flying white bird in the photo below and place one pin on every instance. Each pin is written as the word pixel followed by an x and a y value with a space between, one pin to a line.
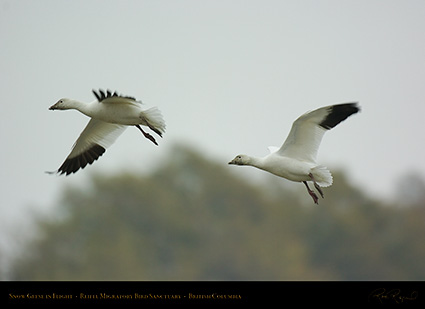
pixel 296 159
pixel 110 115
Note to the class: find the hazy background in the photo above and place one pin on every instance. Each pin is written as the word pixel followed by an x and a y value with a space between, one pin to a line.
pixel 229 77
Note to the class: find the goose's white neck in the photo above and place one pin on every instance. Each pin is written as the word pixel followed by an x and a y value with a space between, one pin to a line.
pixel 85 108
pixel 256 162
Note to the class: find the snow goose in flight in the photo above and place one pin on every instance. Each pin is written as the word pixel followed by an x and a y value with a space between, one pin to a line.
pixel 296 159
pixel 110 115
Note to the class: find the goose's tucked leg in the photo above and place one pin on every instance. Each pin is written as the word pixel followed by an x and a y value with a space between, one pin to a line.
pixel 311 192
pixel 154 129
pixel 147 135
pixel 316 185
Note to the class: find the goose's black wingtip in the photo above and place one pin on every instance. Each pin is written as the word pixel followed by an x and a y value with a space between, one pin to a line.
pixel 101 95
pixel 338 113
pixel 72 165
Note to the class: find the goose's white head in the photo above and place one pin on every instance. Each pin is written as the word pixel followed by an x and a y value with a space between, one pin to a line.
pixel 241 160
pixel 62 104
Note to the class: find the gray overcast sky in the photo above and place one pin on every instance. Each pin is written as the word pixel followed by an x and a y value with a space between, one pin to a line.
pixel 229 77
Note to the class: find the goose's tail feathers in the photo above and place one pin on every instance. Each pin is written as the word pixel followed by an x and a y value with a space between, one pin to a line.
pixel 322 176
pixel 154 120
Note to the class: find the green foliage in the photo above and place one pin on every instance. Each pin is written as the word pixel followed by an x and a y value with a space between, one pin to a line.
pixel 192 219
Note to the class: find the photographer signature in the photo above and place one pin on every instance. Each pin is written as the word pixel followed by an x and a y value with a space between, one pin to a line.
pixel 394 295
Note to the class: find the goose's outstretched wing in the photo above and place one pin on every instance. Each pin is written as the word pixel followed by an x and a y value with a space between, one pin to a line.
pixel 113 97
pixel 92 143
pixel 307 131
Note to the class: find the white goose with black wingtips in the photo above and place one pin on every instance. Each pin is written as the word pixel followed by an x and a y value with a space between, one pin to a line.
pixel 110 115
pixel 296 159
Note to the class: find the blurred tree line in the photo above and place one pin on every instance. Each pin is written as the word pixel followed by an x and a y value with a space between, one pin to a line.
pixel 194 219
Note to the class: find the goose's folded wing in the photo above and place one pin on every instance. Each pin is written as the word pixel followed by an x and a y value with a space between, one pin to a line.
pixel 92 143
pixel 307 131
